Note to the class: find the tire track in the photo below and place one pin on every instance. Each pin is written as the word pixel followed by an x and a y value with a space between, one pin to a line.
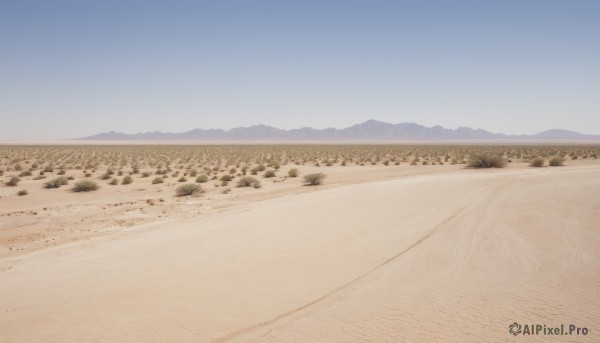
pixel 266 327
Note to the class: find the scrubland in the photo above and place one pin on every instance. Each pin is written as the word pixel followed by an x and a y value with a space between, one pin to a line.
pixel 289 243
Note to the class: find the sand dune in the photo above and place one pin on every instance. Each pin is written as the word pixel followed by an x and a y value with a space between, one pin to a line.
pixel 453 256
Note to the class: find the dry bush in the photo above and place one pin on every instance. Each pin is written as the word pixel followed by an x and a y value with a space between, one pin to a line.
pixel 269 173
pixel 85 186
pixel 293 172
pixel 57 182
pixel 13 181
pixel 188 189
pixel 556 161
pixel 22 192
pixel 127 180
pixel 202 178
pixel 537 162
pixel 486 161
pixel 248 181
pixel 314 179
pixel 157 180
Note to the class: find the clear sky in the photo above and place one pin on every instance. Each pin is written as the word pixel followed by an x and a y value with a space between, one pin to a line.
pixel 76 68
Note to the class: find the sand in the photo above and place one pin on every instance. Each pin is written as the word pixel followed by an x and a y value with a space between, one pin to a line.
pixel 387 254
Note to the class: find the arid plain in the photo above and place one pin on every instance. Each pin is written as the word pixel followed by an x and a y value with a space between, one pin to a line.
pixel 397 243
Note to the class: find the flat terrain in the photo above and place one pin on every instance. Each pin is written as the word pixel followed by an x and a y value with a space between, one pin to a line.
pixel 377 253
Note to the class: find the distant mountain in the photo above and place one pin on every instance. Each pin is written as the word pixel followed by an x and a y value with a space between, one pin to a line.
pixel 371 130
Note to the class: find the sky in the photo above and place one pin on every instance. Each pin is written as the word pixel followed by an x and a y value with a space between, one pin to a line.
pixel 76 68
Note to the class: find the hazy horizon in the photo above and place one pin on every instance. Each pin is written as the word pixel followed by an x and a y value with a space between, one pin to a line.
pixel 73 69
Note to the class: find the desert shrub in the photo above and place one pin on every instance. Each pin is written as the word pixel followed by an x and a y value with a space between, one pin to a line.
pixel 182 179
pixel 22 192
pixel 556 161
pixel 314 179
pixel 114 182
pixel 537 162
pixel 85 186
pixel 226 178
pixel 145 174
pixel 157 180
pixel 269 173
pixel 202 178
pixel 232 171
pixel 188 189
pixel 105 177
pixel 248 181
pixel 486 161
pixel 57 182
pixel 127 180
pixel 48 169
pixel 25 173
pixel 13 181
pixel 224 183
pixel 293 172
pixel 61 172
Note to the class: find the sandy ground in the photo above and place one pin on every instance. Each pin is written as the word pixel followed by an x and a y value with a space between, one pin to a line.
pixel 378 254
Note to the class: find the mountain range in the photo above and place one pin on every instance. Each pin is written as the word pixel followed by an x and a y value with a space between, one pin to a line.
pixel 371 130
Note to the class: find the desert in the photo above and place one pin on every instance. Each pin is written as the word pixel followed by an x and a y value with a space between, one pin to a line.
pixel 331 171
pixel 393 243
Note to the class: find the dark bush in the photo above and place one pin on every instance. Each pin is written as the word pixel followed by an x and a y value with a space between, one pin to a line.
pixel 485 161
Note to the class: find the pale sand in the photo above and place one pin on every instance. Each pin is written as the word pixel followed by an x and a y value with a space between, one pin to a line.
pixel 451 255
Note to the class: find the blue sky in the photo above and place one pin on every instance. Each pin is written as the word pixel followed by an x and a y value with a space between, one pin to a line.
pixel 75 68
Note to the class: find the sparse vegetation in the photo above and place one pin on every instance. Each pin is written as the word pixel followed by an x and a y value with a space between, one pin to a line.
pixel 85 186
pixel 226 163
pixel 314 179
pixel 127 180
pixel 22 192
pixel 188 189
